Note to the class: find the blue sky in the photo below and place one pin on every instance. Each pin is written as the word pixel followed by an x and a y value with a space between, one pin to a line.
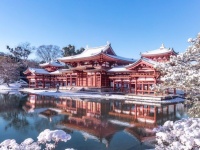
pixel 131 26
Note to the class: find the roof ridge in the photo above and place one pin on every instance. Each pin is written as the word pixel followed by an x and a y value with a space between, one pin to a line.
pixel 97 47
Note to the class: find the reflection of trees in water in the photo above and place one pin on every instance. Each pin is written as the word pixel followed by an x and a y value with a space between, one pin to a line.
pixel 16 119
pixel 11 112
pixel 11 100
pixel 8 100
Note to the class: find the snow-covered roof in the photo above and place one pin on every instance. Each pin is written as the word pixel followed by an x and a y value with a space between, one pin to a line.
pixel 118 69
pixel 88 52
pixel 52 63
pixel 56 72
pixel 161 50
pixel 38 71
pixel 150 61
pixel 122 58
pixel 60 71
pixel 95 51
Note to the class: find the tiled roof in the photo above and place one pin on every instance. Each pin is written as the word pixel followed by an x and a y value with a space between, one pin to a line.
pixel 53 63
pixel 38 71
pixel 118 69
pixel 88 52
pixel 161 50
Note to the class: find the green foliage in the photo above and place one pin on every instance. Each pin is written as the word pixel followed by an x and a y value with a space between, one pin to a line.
pixel 70 50
pixel 21 52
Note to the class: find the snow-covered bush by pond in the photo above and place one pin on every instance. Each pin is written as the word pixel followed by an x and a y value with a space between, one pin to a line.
pixel 47 138
pixel 180 135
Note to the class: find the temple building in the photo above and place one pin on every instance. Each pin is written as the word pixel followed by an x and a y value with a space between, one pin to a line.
pixel 139 76
pixel 100 67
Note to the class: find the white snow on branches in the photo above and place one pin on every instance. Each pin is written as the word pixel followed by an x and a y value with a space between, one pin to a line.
pixel 181 135
pixel 56 136
pixel 47 137
pixel 183 71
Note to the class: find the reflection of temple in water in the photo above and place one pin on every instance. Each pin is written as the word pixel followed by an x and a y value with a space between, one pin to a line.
pixel 95 116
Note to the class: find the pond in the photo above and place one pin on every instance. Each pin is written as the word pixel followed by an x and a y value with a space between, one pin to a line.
pixel 92 123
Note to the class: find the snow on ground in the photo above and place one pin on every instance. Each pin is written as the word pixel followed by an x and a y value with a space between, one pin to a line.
pixel 12 86
pixel 72 94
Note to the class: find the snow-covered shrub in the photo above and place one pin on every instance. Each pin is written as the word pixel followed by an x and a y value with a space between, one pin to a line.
pixel 47 138
pixel 180 135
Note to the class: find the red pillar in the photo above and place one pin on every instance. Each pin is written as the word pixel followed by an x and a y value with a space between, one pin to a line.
pixel 114 85
pixel 155 113
pixel 129 86
pixel 122 86
pixel 154 83
pixel 70 79
pixel 143 110
pixel 36 85
pixel 142 88
pixel 43 85
pixel 135 111
pixel 86 79
pixel 95 79
pixel 136 86
pixel 100 79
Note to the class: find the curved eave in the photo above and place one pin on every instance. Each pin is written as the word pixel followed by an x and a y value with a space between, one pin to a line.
pixel 115 58
pixel 120 71
pixel 139 61
pixel 37 73
pixel 49 65
pixel 94 70
pixel 55 73
pixel 69 71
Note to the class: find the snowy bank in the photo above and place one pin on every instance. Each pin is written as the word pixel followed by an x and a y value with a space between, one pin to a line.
pixel 12 86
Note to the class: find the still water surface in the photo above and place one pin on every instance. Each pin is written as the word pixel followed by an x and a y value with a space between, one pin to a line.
pixel 92 123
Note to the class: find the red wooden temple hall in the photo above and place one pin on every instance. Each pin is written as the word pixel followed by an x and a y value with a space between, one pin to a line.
pixel 100 67
pixel 139 76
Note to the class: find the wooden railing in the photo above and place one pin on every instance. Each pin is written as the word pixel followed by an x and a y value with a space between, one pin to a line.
pixel 120 76
pixel 135 75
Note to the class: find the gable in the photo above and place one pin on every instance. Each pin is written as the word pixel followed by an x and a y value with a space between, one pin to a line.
pixel 141 66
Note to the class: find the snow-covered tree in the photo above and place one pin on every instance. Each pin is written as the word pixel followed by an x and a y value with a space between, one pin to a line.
pixel 183 71
pixel 9 70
